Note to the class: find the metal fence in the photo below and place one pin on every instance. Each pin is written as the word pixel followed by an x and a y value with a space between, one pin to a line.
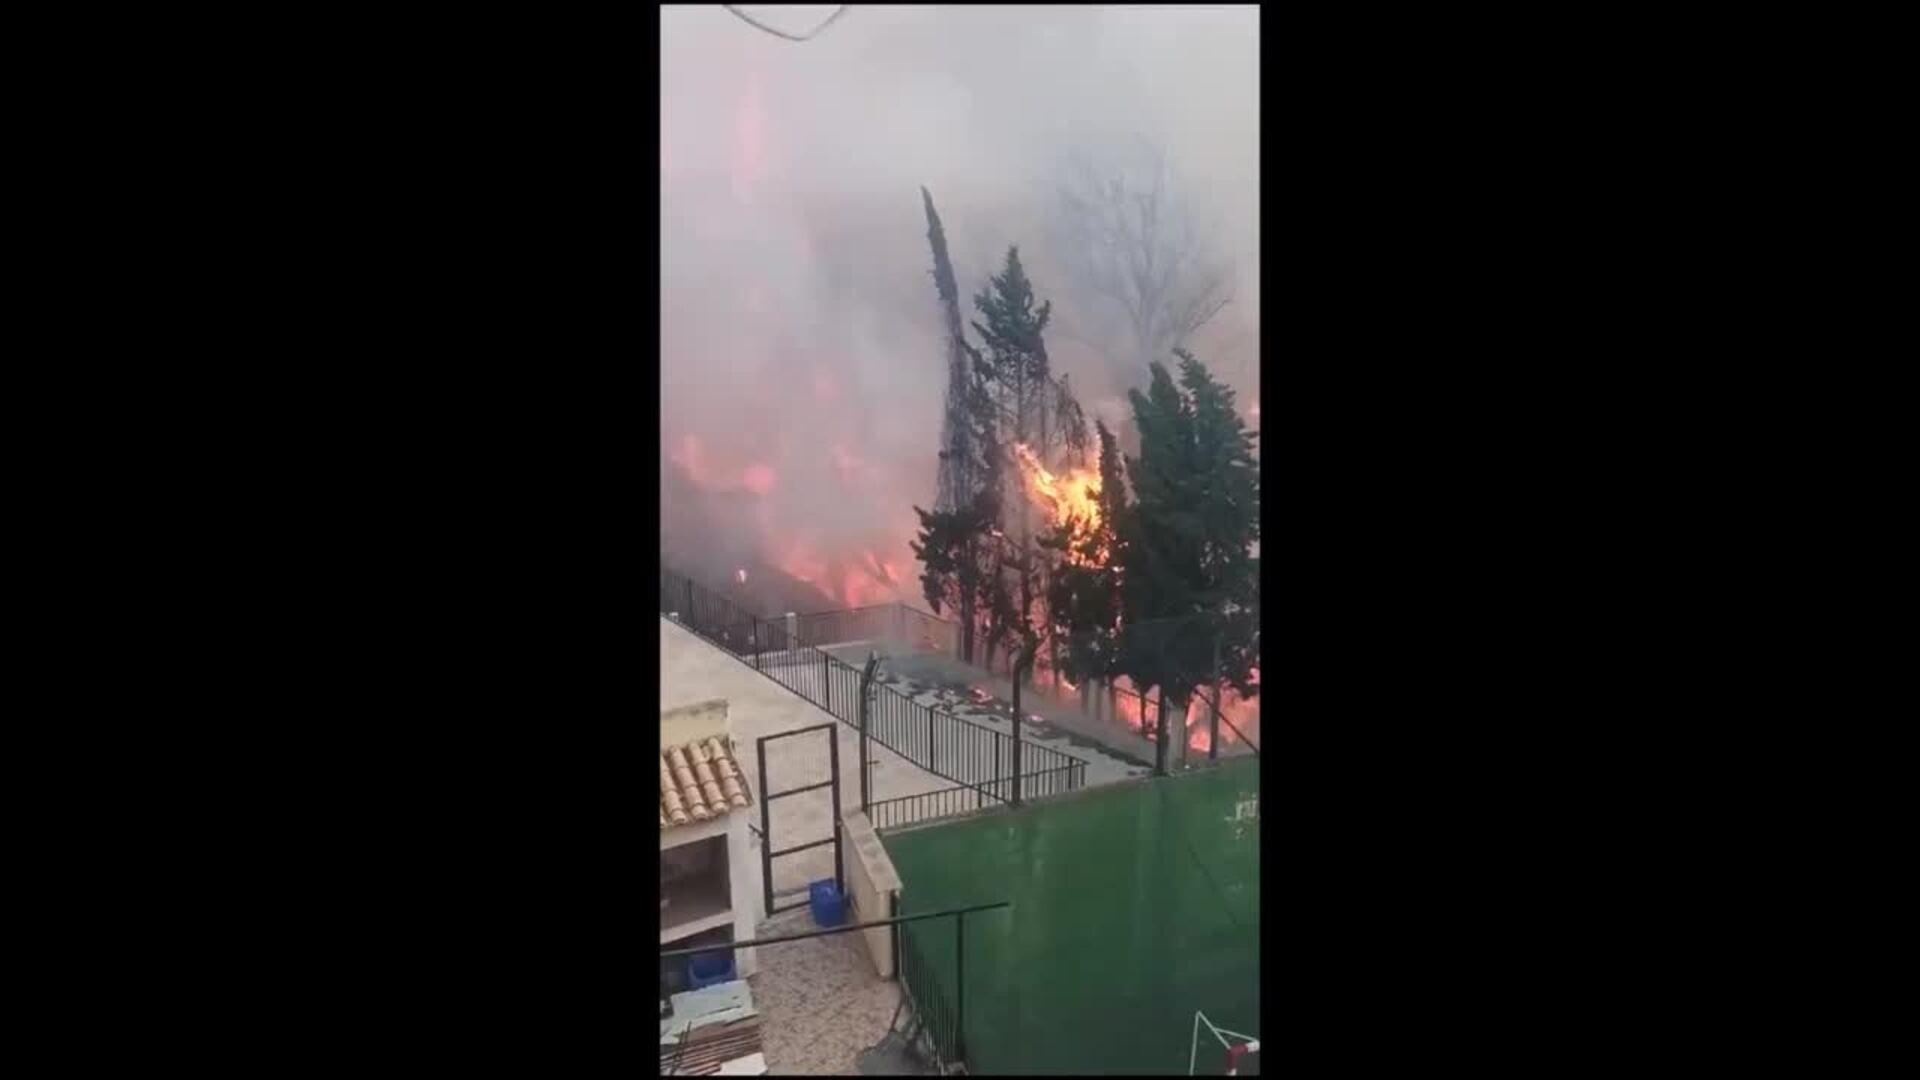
pixel 969 754
pixel 873 623
pixel 942 1025
pixel 1190 634
pixel 966 752
pixel 964 798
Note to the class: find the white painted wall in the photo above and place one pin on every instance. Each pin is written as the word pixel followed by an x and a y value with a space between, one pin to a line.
pixel 700 720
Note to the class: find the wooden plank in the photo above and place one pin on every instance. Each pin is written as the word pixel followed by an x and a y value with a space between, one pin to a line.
pixel 696 1055
pixel 705 1067
pixel 717 1032
pixel 695 1051
pixel 722 1050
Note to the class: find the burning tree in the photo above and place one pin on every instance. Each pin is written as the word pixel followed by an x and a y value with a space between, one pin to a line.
pixel 1039 426
pixel 1084 601
pixel 957 459
pixel 1190 542
pixel 1007 421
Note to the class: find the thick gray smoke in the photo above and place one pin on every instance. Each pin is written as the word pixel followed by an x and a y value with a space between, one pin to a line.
pixel 801 357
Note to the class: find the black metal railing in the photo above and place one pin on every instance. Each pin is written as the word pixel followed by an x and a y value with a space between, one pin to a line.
pixel 942 1024
pixel 967 798
pixel 949 746
pixel 965 751
pixel 872 623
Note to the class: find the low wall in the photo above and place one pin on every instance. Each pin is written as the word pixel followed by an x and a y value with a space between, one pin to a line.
pixel 701 720
pixel 871 883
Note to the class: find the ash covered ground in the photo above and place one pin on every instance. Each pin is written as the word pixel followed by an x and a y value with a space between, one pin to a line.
pixel 940 682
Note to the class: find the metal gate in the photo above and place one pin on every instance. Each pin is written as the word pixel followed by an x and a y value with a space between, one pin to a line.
pixel 767 795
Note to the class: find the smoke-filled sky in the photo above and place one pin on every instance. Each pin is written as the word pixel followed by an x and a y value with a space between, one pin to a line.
pixel 802 367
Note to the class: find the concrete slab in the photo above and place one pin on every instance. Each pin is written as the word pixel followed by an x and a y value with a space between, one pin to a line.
pixel 820 1001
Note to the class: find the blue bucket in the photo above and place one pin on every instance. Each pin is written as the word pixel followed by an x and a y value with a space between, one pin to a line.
pixel 706 969
pixel 829 907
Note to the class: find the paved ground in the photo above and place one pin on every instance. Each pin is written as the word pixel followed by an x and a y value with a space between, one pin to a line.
pixel 821 1001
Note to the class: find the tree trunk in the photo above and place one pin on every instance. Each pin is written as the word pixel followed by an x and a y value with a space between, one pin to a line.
pixel 1160 741
pixel 966 629
pixel 1176 729
pixel 1213 719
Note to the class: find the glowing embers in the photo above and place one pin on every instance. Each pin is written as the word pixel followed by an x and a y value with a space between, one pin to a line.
pixel 1236 712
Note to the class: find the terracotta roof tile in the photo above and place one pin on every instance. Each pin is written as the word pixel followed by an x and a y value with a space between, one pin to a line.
pixel 700 780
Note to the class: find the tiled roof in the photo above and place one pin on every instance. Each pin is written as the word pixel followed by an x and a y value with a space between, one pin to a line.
pixel 699 781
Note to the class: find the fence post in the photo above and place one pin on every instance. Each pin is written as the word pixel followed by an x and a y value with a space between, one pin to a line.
pixel 996 766
pixel 893 939
pixel 930 767
pixel 960 987
pixel 826 683
pixel 866 697
pixel 691 621
pixel 1021 662
pixel 766 829
pixel 753 632
pixel 839 859
pixel 1213 741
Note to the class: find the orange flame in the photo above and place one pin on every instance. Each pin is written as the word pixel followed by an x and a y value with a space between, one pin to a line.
pixel 856 581
pixel 799 560
pixel 1073 498
pixel 692 458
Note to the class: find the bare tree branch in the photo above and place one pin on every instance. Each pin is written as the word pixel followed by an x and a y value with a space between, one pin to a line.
pixel 1130 235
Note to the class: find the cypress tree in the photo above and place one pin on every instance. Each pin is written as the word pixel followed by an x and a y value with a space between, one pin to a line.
pixel 1190 579
pixel 957 467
